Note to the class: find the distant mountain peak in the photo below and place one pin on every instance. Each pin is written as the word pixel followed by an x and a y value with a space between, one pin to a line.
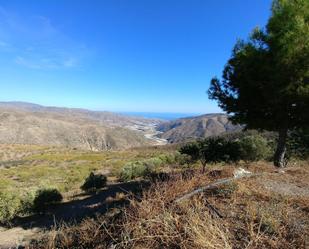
pixel 201 126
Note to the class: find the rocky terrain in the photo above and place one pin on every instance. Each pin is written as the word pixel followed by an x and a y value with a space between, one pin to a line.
pixel 196 127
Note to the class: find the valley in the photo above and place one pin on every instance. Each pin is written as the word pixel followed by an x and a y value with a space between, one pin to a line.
pixel 26 123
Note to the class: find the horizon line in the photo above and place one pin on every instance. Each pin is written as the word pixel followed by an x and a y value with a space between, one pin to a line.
pixel 108 110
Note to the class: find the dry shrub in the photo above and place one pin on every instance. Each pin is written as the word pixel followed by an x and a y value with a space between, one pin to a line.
pixel 90 233
pixel 275 225
pixel 266 219
pixel 156 222
pixel 153 222
pixel 254 217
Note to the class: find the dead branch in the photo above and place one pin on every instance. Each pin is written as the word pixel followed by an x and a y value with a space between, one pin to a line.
pixel 213 209
pixel 212 185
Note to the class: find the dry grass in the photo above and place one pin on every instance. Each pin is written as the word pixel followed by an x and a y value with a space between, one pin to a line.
pixel 156 223
pixel 253 216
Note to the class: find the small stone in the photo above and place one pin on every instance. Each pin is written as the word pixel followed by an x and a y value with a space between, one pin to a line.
pixel 240 172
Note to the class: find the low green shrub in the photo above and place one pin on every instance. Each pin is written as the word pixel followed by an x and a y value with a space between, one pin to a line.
pixel 10 206
pixel 254 148
pixel 298 144
pixel 212 150
pixel 143 168
pixel 94 182
pixel 27 201
pixel 231 148
pixel 182 159
pixel 134 170
pixel 168 158
pixel 192 150
pixel 44 198
pixel 153 162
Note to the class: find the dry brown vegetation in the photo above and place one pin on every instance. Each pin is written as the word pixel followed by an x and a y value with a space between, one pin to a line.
pixel 255 215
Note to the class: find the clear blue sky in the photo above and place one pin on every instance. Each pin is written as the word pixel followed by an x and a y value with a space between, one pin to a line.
pixel 120 55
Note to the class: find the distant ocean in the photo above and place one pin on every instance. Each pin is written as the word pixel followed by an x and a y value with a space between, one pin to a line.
pixel 159 115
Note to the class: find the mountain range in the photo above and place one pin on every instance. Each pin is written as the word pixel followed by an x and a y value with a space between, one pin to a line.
pixel 27 123
pixel 191 128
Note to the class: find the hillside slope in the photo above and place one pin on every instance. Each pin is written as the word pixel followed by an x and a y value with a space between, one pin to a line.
pixel 196 127
pixel 24 123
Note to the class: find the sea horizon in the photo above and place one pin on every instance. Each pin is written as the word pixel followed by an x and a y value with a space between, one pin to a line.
pixel 160 115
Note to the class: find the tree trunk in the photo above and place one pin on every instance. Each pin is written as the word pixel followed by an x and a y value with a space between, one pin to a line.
pixel 203 166
pixel 279 158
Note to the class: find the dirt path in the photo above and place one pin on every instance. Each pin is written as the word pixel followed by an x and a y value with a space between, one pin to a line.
pixel 14 237
pixel 289 189
pixel 72 211
pixel 290 182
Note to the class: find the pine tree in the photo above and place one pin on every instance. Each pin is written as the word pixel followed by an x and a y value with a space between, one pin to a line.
pixel 265 84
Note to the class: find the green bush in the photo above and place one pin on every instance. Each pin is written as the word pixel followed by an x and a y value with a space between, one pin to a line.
pixel 168 158
pixel 218 149
pixel 182 159
pixel 254 148
pixel 153 162
pixel 27 201
pixel 94 182
pixel 212 150
pixel 230 148
pixel 134 170
pixel 298 144
pixel 144 168
pixel 10 206
pixel 192 150
pixel 44 198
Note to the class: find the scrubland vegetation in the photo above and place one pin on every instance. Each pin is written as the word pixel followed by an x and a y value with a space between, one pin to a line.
pixel 66 171
pixel 252 215
pixel 269 210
